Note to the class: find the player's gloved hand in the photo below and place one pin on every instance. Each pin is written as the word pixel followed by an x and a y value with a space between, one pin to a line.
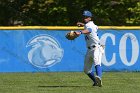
pixel 80 24
pixel 72 35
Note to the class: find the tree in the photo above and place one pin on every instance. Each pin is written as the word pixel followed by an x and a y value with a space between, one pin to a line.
pixel 134 16
pixel 68 12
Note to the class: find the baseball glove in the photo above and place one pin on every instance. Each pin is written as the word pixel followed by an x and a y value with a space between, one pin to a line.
pixel 71 35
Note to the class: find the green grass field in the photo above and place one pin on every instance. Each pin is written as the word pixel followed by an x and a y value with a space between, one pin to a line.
pixel 68 82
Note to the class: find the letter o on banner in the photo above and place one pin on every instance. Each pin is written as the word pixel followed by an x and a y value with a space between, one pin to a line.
pixel 135 49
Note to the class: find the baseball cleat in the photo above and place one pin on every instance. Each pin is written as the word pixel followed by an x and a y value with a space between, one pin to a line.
pixel 99 81
pixel 95 84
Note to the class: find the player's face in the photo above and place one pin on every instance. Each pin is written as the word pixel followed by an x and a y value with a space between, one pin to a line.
pixel 86 19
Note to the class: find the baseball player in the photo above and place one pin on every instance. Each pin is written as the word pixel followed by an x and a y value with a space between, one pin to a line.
pixel 94 53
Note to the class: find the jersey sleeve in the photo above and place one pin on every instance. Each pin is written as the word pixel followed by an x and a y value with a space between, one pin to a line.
pixel 89 29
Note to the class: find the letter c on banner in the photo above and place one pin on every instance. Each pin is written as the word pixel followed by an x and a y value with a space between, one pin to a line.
pixel 135 49
pixel 103 41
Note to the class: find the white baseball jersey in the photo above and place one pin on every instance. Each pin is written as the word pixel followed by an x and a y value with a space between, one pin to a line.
pixel 93 55
pixel 91 38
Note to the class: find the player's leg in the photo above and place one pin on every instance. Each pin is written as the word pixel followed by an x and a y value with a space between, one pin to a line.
pixel 97 56
pixel 98 69
pixel 88 68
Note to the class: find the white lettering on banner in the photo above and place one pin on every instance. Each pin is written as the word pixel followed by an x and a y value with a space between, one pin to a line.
pixel 135 49
pixel 103 39
pixel 122 49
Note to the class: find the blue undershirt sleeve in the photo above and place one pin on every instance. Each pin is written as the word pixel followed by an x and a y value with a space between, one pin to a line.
pixel 89 29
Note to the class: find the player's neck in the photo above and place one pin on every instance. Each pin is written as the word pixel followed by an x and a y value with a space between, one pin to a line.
pixel 88 22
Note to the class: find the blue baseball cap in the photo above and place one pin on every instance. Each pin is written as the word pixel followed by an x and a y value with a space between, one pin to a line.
pixel 87 14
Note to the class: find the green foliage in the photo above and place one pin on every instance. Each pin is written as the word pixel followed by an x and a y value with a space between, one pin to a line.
pixel 135 17
pixel 68 12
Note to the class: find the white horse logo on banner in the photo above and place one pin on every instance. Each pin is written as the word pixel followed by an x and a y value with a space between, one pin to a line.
pixel 45 51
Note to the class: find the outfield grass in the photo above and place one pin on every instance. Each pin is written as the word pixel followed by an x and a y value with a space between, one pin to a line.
pixel 68 82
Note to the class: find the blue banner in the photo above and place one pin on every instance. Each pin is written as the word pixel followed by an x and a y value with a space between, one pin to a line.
pixel 49 51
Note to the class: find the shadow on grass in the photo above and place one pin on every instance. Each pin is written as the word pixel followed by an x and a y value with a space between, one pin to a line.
pixel 60 86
